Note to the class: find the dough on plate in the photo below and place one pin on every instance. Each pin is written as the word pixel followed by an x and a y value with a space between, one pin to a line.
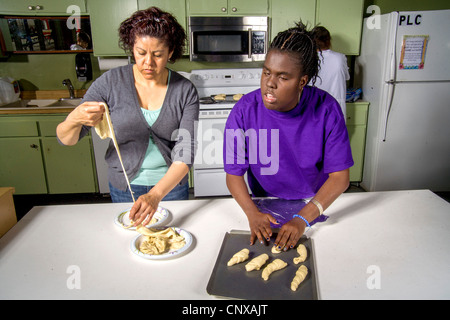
pixel 156 242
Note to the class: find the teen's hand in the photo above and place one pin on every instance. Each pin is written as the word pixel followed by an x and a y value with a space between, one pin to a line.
pixel 260 226
pixel 290 233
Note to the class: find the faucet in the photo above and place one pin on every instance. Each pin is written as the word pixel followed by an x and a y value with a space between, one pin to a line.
pixel 69 85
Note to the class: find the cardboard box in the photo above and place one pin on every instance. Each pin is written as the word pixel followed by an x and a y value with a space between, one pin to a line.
pixel 8 216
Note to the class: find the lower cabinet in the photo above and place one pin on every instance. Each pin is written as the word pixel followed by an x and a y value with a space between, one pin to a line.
pixel 356 127
pixel 33 162
pixel 21 165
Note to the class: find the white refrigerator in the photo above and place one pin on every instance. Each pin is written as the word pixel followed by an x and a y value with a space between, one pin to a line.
pixel 404 69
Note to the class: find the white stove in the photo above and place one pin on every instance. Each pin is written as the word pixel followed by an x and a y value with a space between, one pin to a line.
pixel 209 174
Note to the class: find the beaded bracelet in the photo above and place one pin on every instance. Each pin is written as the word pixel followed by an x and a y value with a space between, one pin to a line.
pixel 299 216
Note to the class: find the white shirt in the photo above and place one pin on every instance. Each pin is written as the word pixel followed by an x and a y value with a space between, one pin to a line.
pixel 332 75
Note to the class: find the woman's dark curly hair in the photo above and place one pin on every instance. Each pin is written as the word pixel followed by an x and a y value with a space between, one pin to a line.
pixel 299 42
pixel 153 22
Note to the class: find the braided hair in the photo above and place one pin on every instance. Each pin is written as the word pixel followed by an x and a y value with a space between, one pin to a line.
pixel 299 42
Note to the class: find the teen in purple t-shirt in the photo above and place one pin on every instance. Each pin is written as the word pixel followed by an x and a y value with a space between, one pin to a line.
pixel 289 138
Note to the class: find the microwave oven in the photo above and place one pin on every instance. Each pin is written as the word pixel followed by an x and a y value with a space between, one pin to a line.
pixel 228 39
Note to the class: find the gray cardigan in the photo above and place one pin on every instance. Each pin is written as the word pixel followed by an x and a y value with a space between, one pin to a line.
pixel 172 132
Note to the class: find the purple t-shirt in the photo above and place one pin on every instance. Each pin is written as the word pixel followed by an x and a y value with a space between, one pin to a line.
pixel 287 154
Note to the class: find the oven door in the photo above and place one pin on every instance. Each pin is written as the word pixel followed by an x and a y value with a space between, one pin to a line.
pixel 210 143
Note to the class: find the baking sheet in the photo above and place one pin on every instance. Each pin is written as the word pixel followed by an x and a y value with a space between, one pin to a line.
pixel 235 282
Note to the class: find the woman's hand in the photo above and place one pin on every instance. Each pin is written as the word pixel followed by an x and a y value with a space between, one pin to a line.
pixel 88 113
pixel 260 226
pixel 144 208
pixel 290 233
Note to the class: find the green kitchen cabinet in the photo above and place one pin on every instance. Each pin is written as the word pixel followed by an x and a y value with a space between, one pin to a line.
pixel 68 168
pixel 285 13
pixel 357 127
pixel 33 162
pixel 21 165
pixel 344 21
pixel 106 17
pixel 41 7
pixel 176 7
pixel 227 7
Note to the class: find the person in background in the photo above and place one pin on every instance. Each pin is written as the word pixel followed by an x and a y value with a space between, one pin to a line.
pixel 153 110
pixel 333 72
pixel 83 41
pixel 303 130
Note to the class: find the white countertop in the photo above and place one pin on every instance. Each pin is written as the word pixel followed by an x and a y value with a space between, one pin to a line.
pixel 375 245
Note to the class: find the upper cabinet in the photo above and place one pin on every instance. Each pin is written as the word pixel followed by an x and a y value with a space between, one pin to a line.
pixel 285 13
pixel 42 7
pixel 176 7
pixel 227 7
pixel 344 21
pixel 342 18
pixel 106 17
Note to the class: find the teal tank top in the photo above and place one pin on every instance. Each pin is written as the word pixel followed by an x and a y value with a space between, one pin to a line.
pixel 154 166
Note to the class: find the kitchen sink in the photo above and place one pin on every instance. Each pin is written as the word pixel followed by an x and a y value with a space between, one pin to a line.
pixel 44 103
pixel 66 102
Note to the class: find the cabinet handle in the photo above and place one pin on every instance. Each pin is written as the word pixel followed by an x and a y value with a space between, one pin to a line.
pixel 30 8
pixel 39 7
pixel 234 9
pixel 224 9
pixel 33 146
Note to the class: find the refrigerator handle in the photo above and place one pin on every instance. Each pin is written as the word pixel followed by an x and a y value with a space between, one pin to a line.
pixel 391 89
pixel 393 50
pixel 393 25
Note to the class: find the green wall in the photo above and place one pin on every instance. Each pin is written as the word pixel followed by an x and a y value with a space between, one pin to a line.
pixel 46 71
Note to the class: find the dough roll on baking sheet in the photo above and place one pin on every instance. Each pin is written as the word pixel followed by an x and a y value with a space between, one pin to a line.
pixel 105 129
pixel 235 282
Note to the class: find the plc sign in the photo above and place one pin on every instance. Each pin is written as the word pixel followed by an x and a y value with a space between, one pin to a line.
pixel 410 20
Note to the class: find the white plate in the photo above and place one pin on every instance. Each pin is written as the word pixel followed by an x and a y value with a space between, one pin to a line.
pixel 136 242
pixel 122 220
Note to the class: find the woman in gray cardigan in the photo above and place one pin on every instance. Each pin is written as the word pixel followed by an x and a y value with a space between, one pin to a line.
pixel 153 111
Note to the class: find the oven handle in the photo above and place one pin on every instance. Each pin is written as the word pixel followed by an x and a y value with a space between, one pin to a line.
pixel 250 42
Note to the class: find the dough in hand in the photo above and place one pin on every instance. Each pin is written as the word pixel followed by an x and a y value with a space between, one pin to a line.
pixel 257 263
pixel 105 130
pixel 300 275
pixel 275 265
pixel 238 257
pixel 276 250
pixel 301 250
